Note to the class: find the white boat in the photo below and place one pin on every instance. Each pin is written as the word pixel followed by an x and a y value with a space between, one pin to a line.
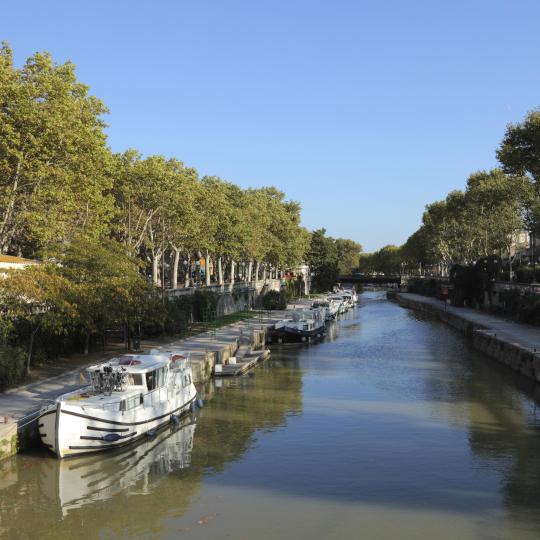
pixel 347 298
pixel 353 294
pixel 330 306
pixel 129 397
pixel 303 325
pixel 343 306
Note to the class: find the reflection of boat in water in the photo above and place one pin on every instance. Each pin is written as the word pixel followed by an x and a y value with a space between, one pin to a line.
pixel 89 479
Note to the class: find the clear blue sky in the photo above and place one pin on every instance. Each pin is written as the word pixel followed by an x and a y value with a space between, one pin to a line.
pixel 363 111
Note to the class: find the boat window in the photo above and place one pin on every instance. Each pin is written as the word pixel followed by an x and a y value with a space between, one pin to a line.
pixel 160 376
pixel 151 380
pixel 135 379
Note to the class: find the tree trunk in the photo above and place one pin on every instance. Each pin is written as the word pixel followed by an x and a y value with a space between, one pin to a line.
pixel 128 338
pixel 207 272
pixel 220 271
pixel 30 350
pixel 176 262
pixel 86 342
pixel 257 268
pixel 155 269
pixel 187 277
pixel 232 271
pixel 249 271
pixel 264 273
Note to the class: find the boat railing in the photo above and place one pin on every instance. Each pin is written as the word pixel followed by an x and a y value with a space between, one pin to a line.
pixel 156 395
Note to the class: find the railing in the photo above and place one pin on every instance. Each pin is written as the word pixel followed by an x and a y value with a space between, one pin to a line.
pixel 226 288
pixel 134 401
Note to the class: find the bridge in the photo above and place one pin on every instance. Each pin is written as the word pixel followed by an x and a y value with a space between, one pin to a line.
pixel 372 280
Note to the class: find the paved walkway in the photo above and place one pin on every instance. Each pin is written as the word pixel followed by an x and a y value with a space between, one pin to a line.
pixel 524 335
pixel 23 402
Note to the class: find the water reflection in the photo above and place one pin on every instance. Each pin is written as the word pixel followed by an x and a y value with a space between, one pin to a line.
pixel 74 483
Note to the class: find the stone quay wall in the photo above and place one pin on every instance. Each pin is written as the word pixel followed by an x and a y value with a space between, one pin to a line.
pixel 515 355
pixel 233 297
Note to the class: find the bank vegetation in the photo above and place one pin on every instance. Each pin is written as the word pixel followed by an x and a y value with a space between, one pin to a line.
pixel 111 230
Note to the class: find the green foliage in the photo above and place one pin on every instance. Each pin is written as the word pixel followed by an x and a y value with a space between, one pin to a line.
pixel 387 260
pixel 275 300
pixel 520 149
pixel 12 365
pixel 425 287
pixel 523 307
pixel 204 304
pixel 348 253
pixel 179 314
pixel 484 219
pixel 54 163
pixel 323 259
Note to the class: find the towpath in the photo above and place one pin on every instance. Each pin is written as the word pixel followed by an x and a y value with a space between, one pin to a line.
pixel 21 403
pixel 523 335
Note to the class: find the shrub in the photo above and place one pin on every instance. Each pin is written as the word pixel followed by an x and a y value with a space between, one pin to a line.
pixel 275 300
pixel 204 303
pixel 179 314
pixel 425 287
pixel 511 300
pixel 12 365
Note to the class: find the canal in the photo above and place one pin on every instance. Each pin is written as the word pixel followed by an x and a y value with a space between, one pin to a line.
pixel 391 428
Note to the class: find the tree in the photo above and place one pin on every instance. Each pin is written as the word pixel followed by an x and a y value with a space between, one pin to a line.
pixel 106 287
pixel 348 255
pixel 386 260
pixel 54 162
pixel 519 154
pixel 417 252
pixel 519 151
pixel 322 258
pixel 39 297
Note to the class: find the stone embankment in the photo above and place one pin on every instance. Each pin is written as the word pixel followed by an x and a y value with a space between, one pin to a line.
pixel 21 405
pixel 513 344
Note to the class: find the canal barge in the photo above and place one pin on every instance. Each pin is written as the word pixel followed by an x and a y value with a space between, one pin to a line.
pixel 128 398
pixel 304 325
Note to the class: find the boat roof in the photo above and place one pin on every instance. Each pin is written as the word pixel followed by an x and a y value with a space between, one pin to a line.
pixel 136 363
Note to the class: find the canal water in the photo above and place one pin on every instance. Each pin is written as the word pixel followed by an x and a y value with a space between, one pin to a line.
pixel 391 428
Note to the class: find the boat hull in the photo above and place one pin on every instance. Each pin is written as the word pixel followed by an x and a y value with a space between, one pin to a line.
pixel 294 335
pixel 69 430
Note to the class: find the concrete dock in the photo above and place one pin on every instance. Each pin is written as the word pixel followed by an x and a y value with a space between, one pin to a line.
pixel 243 361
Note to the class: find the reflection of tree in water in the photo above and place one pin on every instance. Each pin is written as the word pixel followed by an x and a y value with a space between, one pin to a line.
pixel 261 400
pixel 499 409
pixel 30 486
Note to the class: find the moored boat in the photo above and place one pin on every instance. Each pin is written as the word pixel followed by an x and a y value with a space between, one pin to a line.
pixel 337 298
pixel 304 325
pixel 330 306
pixel 128 398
